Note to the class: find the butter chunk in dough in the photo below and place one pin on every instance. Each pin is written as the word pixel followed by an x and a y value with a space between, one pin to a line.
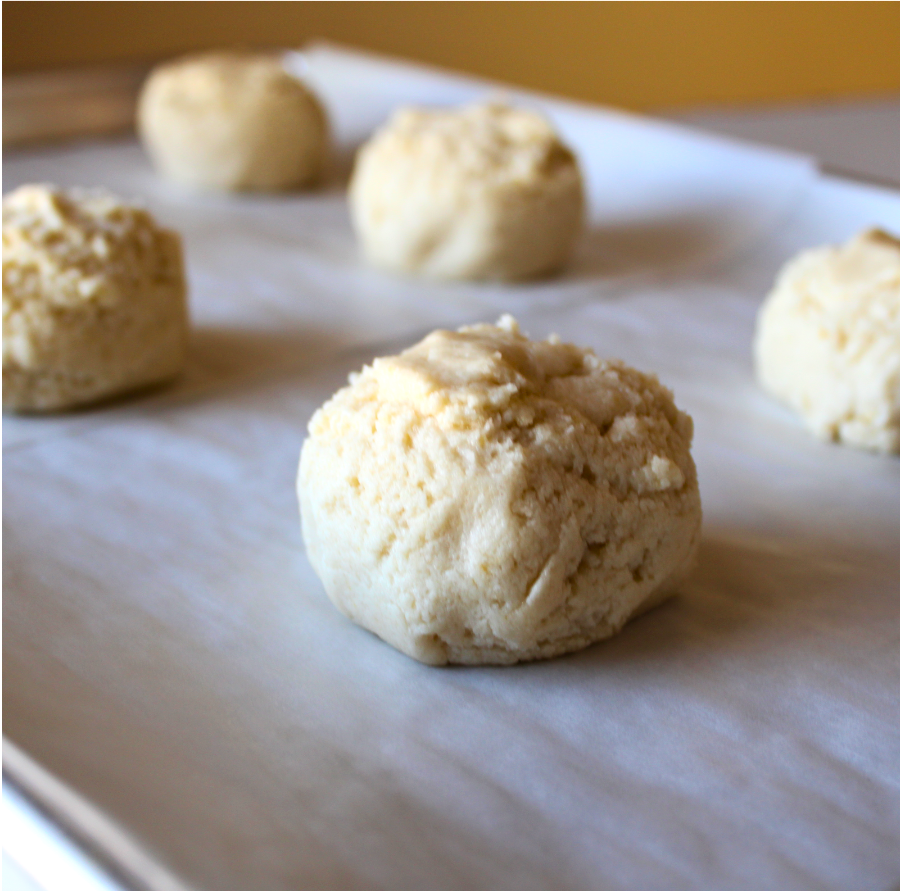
pixel 484 498
pixel 828 341
pixel 94 298
pixel 481 192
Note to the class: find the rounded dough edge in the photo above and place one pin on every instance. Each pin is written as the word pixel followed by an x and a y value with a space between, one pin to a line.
pixel 94 299
pixel 481 192
pixel 827 341
pixel 476 510
pixel 232 122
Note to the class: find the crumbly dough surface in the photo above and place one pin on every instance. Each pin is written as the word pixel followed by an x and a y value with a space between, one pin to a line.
pixel 485 498
pixel 94 298
pixel 828 341
pixel 232 121
pixel 481 192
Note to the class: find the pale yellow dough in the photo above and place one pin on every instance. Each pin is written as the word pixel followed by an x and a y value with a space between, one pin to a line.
pixel 481 192
pixel 485 498
pixel 828 341
pixel 94 298
pixel 232 121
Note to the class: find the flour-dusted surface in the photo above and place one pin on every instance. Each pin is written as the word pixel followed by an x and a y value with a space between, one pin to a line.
pixel 169 651
pixel 484 498
pixel 481 192
pixel 828 341
pixel 94 298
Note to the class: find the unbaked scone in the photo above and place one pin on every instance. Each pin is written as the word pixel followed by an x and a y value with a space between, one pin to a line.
pixel 94 298
pixel 484 498
pixel 481 192
pixel 828 341
pixel 232 121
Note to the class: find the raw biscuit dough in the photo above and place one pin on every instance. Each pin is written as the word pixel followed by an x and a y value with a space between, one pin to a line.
pixel 93 298
pixel 484 498
pixel 828 341
pixel 232 121
pixel 481 192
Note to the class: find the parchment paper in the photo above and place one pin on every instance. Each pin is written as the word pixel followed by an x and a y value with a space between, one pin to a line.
pixel 170 655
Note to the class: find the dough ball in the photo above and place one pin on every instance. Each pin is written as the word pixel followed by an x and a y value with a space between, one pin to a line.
pixel 482 192
pixel 484 498
pixel 828 341
pixel 232 121
pixel 93 298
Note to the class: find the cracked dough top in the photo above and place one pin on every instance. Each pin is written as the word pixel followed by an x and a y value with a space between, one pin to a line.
pixel 78 247
pixel 482 497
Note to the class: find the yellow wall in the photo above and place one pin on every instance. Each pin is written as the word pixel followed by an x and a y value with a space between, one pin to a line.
pixel 639 55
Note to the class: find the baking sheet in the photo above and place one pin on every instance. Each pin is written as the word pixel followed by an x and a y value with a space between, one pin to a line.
pixel 170 655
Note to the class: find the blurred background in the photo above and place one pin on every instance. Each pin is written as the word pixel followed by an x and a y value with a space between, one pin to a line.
pixel 819 78
pixel 643 56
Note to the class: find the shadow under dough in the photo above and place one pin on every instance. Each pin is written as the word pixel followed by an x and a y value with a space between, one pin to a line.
pixel 649 246
pixel 757 590
pixel 217 356
pixel 219 353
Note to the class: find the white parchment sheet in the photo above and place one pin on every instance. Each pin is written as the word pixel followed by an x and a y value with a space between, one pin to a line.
pixel 170 655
